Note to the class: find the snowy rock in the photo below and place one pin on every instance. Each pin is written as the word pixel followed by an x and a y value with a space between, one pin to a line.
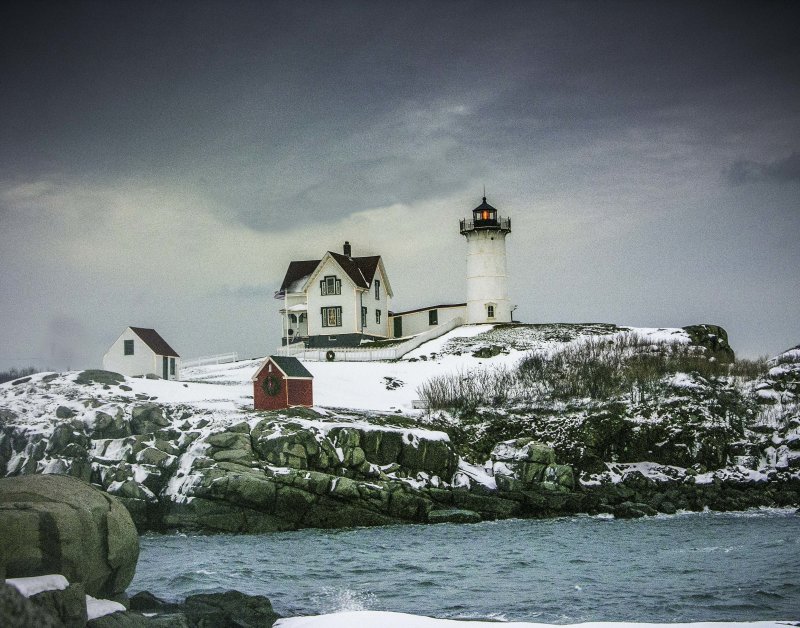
pixel 147 418
pixel 63 412
pixel 108 426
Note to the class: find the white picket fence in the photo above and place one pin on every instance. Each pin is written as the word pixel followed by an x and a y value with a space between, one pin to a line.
pixel 222 358
pixel 366 354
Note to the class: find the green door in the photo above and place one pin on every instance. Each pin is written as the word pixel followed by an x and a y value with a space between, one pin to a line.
pixel 166 368
pixel 398 326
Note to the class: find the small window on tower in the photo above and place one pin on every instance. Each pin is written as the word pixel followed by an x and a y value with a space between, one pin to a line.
pixel 490 311
pixel 128 347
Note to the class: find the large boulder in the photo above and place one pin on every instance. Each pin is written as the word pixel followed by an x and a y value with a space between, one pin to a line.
pixel 58 524
pixel 712 337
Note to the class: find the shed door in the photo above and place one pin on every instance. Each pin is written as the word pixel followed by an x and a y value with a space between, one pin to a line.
pixel 166 367
pixel 398 326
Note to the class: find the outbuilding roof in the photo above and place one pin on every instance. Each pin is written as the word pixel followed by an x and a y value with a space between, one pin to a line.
pixel 154 340
pixel 291 367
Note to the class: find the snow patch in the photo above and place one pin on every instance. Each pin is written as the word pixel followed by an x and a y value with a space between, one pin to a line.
pixel 38 584
pixel 98 608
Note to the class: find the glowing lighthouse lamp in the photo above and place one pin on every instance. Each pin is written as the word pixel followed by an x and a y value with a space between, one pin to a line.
pixel 487 275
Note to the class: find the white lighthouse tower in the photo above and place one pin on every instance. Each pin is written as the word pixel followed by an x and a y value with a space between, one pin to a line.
pixel 487 276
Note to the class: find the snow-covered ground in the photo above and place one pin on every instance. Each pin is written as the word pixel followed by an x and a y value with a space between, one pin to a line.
pixel 378 619
pixel 392 386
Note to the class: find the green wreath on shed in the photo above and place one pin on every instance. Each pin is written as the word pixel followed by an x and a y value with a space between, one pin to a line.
pixel 271 384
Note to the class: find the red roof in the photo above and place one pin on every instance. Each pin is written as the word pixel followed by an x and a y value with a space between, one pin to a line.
pixel 153 340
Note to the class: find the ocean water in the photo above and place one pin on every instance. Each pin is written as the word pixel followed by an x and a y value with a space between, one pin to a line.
pixel 685 567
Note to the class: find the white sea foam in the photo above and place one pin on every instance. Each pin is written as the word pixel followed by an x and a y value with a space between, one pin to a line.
pixel 379 619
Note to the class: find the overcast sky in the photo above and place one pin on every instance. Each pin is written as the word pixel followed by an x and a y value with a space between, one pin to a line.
pixel 162 163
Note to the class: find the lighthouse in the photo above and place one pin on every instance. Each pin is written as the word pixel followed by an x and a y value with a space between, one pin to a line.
pixel 487 276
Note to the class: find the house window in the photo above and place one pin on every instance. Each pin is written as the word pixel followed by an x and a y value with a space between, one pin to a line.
pixel 363 317
pixel 490 311
pixel 330 285
pixel 172 366
pixel 377 290
pixel 433 317
pixel 302 318
pixel 378 316
pixel 293 318
pixel 331 316
pixel 129 347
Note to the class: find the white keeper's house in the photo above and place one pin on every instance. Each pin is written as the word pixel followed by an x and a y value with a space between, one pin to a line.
pixel 341 301
pixel 142 351
pixel 336 301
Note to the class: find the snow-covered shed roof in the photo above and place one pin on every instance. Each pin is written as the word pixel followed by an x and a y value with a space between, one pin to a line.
pixel 154 340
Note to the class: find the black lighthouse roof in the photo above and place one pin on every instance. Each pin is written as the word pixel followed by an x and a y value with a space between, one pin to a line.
pixel 483 206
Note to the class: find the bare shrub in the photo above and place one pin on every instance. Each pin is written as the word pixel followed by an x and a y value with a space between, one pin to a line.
pixel 14 373
pixel 599 367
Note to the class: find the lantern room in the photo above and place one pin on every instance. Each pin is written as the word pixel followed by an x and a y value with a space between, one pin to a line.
pixel 484 214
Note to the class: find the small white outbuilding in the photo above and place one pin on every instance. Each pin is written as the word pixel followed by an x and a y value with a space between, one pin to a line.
pixel 141 351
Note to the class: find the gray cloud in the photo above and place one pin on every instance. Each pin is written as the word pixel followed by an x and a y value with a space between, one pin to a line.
pixel 779 171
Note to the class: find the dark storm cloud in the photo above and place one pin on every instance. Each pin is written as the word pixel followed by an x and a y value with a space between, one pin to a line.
pixel 780 171
pixel 323 109
pixel 163 158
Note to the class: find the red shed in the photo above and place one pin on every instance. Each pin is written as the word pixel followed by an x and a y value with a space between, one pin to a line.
pixel 282 382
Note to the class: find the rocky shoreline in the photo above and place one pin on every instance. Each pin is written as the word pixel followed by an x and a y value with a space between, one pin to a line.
pixel 174 466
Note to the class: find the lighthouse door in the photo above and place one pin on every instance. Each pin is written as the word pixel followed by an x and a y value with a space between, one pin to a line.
pixel 398 326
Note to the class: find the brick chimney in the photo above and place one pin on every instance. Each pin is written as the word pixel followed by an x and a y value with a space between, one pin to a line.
pixel 347 250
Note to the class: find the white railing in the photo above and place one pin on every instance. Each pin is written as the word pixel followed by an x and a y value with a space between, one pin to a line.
pixel 365 353
pixel 222 358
